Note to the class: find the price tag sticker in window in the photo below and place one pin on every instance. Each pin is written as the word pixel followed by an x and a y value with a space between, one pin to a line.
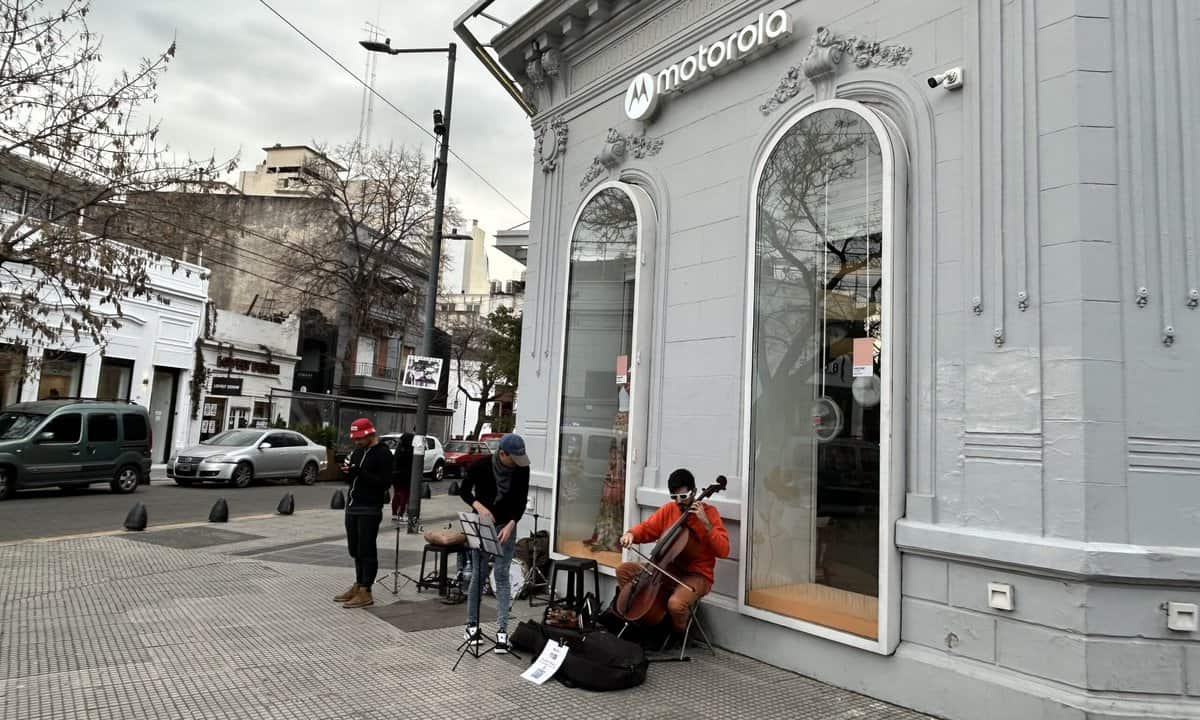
pixel 864 357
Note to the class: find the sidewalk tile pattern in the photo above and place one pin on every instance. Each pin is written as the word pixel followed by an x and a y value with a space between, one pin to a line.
pixel 103 628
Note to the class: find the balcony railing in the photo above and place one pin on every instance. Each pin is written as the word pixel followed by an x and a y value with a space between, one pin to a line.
pixel 375 371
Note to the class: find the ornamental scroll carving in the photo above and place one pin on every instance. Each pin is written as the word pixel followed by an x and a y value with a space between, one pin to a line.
pixel 825 54
pixel 550 144
pixel 617 147
pixel 543 70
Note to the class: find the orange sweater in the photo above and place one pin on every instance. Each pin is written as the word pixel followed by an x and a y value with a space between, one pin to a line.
pixel 714 543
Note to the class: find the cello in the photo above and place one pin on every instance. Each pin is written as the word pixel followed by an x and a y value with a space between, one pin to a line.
pixel 645 599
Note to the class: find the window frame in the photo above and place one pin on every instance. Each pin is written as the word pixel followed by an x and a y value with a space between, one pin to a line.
pixel 56 441
pixel 892 468
pixel 642 338
pixel 125 435
pixel 116 425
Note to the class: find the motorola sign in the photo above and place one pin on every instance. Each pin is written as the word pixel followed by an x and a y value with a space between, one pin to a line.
pixel 645 91
pixel 640 99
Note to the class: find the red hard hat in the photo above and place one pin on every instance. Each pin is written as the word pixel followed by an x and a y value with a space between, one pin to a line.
pixel 361 428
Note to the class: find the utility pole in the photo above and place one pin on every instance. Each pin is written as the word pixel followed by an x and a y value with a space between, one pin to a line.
pixel 435 270
pixel 441 130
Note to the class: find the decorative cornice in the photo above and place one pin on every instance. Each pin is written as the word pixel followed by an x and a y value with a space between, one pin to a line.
pixel 550 143
pixel 825 54
pixel 617 147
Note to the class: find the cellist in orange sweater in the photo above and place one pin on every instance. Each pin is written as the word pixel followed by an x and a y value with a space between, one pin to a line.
pixel 705 522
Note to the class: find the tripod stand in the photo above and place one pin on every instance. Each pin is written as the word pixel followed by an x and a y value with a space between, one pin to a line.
pixel 472 646
pixel 395 574
pixel 534 578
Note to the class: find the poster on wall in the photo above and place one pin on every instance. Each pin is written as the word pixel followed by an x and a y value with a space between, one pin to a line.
pixel 422 373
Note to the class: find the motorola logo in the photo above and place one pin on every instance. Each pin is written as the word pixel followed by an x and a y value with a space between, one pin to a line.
pixel 646 90
pixel 641 98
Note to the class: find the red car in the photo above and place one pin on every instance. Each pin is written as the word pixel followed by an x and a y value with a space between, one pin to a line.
pixel 461 453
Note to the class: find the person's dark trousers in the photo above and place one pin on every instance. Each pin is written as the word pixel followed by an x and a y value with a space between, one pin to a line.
pixel 400 495
pixel 361 533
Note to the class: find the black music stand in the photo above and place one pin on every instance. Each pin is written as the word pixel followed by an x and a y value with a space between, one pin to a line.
pixel 481 535
pixel 395 574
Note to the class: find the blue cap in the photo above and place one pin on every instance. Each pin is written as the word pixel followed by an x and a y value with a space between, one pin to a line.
pixel 514 447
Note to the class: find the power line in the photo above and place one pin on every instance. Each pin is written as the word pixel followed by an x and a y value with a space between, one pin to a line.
pixel 389 103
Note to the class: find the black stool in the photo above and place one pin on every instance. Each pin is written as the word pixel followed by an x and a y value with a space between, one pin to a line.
pixel 574 568
pixel 438 576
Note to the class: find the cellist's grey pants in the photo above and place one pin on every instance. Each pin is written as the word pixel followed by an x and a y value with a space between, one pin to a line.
pixel 682 599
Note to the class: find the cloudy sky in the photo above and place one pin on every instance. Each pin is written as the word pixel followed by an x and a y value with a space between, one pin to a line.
pixel 243 80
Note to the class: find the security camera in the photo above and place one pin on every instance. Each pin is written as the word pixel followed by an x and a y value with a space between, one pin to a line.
pixel 952 79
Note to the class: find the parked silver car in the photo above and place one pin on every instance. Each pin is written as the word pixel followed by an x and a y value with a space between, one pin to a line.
pixel 238 457
pixel 435 454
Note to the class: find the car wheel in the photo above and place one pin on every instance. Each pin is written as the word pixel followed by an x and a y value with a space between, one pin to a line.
pixel 310 474
pixel 127 479
pixel 8 483
pixel 439 471
pixel 242 475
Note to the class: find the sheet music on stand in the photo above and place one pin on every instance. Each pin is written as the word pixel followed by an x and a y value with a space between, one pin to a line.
pixel 481 533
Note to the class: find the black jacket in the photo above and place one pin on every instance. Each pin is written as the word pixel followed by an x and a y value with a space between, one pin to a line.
pixel 479 483
pixel 370 477
pixel 402 461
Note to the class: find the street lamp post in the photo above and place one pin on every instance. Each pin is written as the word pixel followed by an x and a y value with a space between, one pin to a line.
pixel 441 127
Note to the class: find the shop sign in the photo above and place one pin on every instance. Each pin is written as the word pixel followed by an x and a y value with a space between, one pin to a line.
pixel 262 368
pixel 226 386
pixel 647 89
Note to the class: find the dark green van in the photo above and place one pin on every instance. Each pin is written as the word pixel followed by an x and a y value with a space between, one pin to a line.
pixel 74 443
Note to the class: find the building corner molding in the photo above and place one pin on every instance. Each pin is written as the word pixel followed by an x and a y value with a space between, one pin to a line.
pixel 819 66
pixel 550 143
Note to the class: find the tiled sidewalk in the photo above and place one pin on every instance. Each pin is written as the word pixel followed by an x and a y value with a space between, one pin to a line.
pixel 105 627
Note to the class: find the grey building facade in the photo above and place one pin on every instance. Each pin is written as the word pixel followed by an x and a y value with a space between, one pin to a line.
pixel 921 278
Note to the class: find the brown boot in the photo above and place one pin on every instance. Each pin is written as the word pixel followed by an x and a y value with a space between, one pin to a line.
pixel 361 600
pixel 348 595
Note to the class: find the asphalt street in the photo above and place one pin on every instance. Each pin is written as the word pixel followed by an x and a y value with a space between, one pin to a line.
pixel 55 513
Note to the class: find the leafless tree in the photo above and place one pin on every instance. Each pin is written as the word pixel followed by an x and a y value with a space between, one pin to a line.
pixel 72 141
pixel 810 245
pixel 487 351
pixel 379 205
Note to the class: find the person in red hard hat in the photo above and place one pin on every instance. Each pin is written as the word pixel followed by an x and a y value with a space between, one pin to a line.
pixel 369 471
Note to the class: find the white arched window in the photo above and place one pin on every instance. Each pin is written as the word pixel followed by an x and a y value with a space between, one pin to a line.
pixel 824 364
pixel 603 382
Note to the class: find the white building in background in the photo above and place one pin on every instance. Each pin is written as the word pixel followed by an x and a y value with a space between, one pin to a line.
pixel 466 412
pixel 250 364
pixel 491 277
pixel 147 360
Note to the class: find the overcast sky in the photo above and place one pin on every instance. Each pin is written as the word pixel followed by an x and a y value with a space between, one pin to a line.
pixel 242 80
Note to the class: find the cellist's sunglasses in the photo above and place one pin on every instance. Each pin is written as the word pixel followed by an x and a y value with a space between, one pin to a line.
pixel 680 497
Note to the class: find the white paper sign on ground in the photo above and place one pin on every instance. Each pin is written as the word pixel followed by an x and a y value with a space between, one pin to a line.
pixel 547 663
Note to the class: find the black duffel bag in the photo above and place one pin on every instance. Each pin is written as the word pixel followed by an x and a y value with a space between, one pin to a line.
pixel 597 660
pixel 602 661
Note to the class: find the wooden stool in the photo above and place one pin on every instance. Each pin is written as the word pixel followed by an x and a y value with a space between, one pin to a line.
pixel 438 576
pixel 575 569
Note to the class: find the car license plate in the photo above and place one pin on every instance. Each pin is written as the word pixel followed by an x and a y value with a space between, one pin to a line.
pixel 185 468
